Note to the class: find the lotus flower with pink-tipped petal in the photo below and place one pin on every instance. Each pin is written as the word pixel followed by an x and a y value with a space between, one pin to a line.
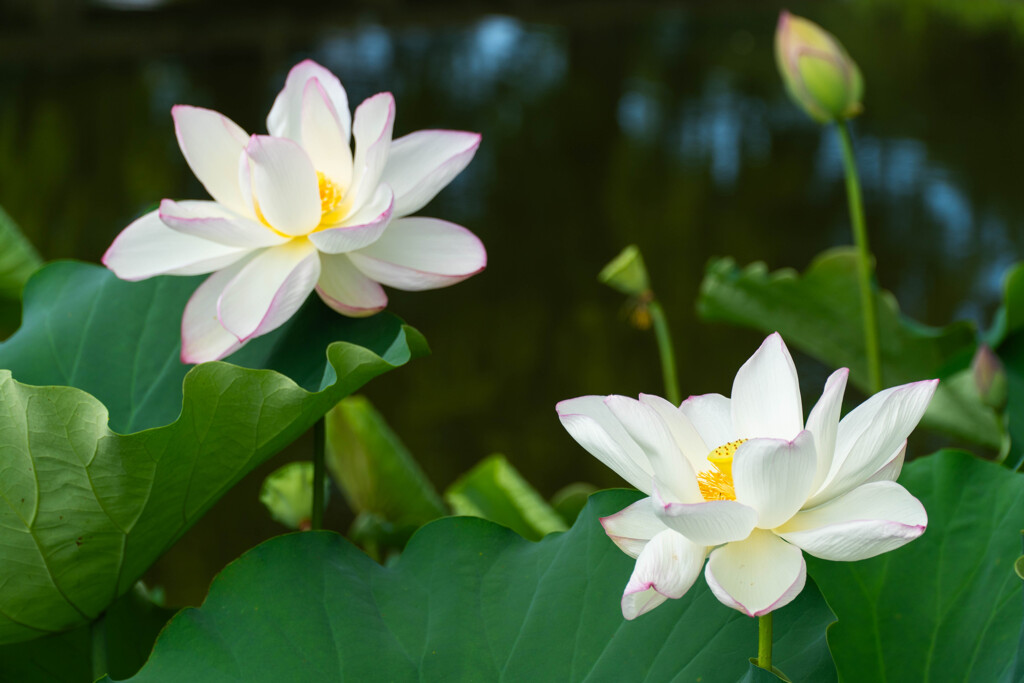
pixel 298 210
pixel 745 483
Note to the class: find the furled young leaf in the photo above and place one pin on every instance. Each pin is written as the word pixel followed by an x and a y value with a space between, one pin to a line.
pixel 130 627
pixel 495 490
pixel 374 469
pixel 90 506
pixel 1010 316
pixel 287 493
pixel 468 600
pixel 946 607
pixel 1008 334
pixel 819 313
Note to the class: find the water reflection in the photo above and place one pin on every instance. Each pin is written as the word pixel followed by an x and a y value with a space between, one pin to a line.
pixel 667 128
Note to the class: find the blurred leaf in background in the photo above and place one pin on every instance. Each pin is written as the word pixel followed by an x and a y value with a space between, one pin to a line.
pixel 494 490
pixel 1007 339
pixel 131 625
pixel 287 493
pixel 378 476
pixel 818 312
pixel 18 260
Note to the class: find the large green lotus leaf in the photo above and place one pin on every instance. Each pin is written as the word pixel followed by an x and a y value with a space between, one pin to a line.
pixel 818 312
pixel 87 506
pixel 946 607
pixel 468 600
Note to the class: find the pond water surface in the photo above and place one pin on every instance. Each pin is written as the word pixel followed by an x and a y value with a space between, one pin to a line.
pixel 603 124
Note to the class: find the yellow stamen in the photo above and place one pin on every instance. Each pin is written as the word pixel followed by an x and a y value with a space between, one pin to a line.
pixel 330 194
pixel 716 483
pixel 333 206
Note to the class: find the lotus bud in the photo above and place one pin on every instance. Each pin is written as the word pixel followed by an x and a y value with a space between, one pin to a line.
pixel 627 273
pixel 818 72
pixel 989 377
pixel 288 494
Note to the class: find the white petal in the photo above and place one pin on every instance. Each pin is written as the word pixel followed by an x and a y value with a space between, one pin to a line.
pixel 774 476
pixel 712 523
pixel 283 184
pixel 285 118
pixel 324 138
pixel 683 432
pixel 269 289
pixel 867 521
pixel 203 338
pixel 415 254
pixel 871 433
pixel 766 394
pixel 758 575
pixel 823 422
pixel 346 290
pixel 711 416
pixel 632 527
pixel 588 420
pixel 666 568
pixel 890 471
pixel 421 164
pixel 645 427
pixel 147 247
pixel 212 144
pixel 360 230
pixel 371 128
pixel 211 221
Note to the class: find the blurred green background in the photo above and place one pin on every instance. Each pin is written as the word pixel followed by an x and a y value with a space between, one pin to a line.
pixel 604 123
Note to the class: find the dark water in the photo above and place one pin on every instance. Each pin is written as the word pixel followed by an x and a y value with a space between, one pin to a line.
pixel 603 124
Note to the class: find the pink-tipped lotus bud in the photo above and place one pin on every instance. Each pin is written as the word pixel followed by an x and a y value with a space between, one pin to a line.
pixel 818 72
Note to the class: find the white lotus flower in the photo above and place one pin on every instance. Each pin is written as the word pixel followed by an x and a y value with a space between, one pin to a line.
pixel 744 480
pixel 298 210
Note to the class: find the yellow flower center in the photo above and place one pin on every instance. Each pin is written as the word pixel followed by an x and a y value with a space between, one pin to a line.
pixel 333 206
pixel 716 483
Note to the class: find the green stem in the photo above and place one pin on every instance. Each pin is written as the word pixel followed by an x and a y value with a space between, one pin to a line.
pixel 98 636
pixel 317 518
pixel 668 358
pixel 764 641
pixel 860 236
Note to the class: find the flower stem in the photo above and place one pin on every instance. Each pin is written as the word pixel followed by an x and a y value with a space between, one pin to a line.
pixel 764 641
pixel 317 518
pixel 668 358
pixel 98 647
pixel 860 236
